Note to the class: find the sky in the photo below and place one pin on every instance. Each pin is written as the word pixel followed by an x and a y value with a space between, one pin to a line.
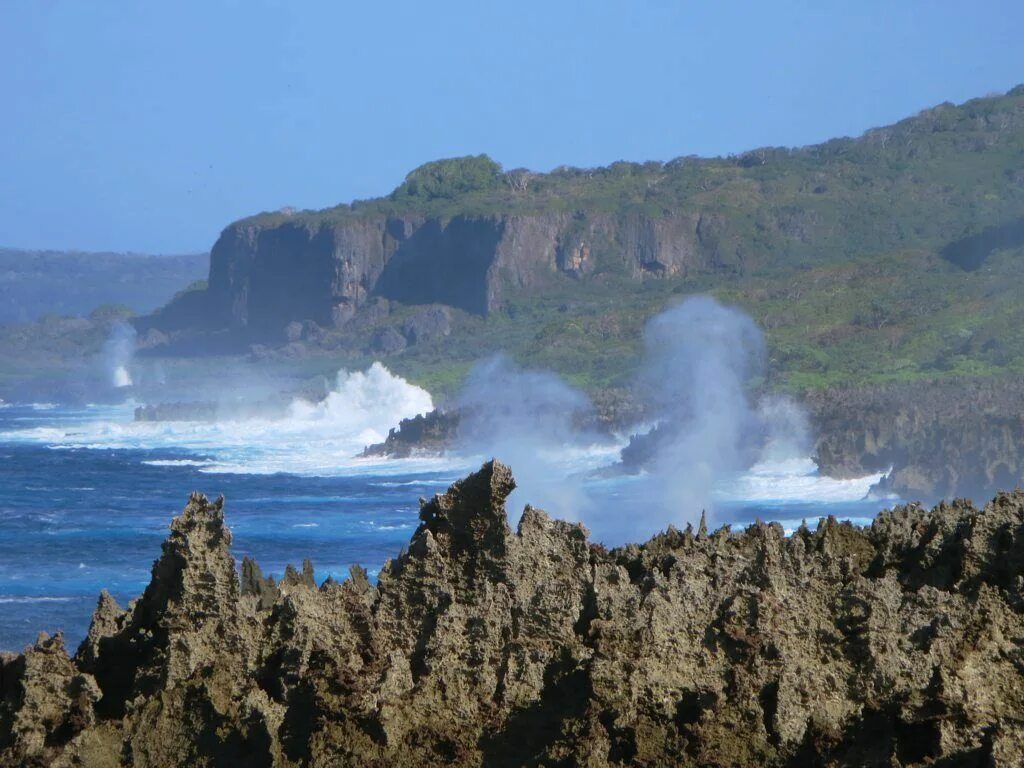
pixel 150 126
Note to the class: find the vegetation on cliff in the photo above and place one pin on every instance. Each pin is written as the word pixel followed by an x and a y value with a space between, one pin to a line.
pixel 944 155
pixel 893 256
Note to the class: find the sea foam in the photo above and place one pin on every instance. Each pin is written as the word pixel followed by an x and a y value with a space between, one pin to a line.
pixel 311 438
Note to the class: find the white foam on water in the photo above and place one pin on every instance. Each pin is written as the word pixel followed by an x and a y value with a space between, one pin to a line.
pixel 323 439
pixel 793 480
pixel 37 599
pixel 176 463
pixel 311 439
pixel 446 480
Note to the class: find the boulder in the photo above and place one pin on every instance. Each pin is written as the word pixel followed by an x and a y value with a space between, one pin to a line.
pixel 387 341
pixel 427 325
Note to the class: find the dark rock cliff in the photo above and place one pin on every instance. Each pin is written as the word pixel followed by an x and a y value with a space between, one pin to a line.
pixel 264 276
pixel 896 645
pixel 936 439
pixel 429 433
pixel 464 233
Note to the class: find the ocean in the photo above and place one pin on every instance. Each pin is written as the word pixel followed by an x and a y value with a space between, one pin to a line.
pixel 87 494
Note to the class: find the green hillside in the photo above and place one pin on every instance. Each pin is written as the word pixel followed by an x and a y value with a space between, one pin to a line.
pixel 895 255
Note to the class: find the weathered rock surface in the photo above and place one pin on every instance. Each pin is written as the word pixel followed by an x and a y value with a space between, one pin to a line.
pixel 428 324
pixel 265 276
pixel 935 440
pixel 897 645
pixel 430 433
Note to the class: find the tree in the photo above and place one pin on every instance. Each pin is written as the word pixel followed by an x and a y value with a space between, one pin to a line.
pixel 451 178
pixel 518 179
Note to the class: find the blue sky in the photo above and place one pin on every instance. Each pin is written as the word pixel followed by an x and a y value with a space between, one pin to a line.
pixel 149 126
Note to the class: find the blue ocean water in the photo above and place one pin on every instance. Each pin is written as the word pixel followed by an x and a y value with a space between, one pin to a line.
pixel 86 497
pixel 76 520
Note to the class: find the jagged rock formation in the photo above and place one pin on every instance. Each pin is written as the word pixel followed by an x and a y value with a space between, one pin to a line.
pixel 900 644
pixel 935 440
pixel 432 432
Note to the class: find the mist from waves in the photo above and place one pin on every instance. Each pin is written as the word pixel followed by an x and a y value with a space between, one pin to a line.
pixel 710 444
pixel 534 422
pixel 117 353
pixel 700 361
pixel 712 447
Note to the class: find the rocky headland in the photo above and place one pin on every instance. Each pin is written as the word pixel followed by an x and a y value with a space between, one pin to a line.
pixel 897 644
pixel 266 274
pixel 466 234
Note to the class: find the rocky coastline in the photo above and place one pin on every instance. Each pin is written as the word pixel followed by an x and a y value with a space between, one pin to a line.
pixel 933 439
pixel 429 433
pixel 897 644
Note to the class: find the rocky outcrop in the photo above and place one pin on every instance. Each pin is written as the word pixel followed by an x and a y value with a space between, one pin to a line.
pixel 958 437
pixel 430 433
pixel 895 645
pixel 428 325
pixel 438 431
pixel 264 276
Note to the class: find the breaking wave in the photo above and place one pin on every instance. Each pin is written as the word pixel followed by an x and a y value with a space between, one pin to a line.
pixel 44 599
pixel 793 480
pixel 323 439
pixel 311 438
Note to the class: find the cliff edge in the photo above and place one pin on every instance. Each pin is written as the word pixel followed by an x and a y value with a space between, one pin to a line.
pixel 898 644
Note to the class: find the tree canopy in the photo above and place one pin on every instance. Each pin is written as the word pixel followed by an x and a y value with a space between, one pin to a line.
pixel 450 178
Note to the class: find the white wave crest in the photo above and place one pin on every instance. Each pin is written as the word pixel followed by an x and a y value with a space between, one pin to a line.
pixel 176 463
pixel 6 599
pixel 121 378
pixel 793 480
pixel 312 438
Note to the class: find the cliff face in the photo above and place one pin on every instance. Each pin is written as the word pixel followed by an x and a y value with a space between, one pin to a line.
pixel 894 645
pixel 834 244
pixel 935 439
pixel 268 276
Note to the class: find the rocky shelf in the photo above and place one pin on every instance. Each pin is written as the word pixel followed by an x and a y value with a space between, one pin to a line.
pixel 897 644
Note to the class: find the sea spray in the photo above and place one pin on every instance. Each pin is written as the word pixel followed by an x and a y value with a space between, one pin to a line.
pixel 530 419
pixel 700 358
pixel 362 404
pixel 118 350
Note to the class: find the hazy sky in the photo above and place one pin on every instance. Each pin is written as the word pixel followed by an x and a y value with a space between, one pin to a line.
pixel 149 126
